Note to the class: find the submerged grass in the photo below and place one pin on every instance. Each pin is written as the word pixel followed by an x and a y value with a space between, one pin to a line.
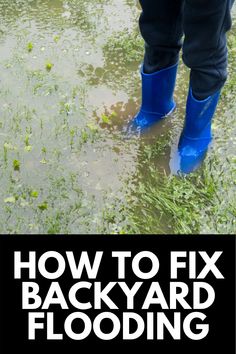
pixel 182 205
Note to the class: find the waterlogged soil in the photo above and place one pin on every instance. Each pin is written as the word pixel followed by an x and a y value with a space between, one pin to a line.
pixel 69 84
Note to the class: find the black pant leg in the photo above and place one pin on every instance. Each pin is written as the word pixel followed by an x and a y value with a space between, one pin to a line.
pixel 161 25
pixel 205 47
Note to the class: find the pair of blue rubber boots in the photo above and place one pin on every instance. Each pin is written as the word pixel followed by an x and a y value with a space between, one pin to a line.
pixel 158 102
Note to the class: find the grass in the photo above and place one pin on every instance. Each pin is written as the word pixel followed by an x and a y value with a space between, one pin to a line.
pixel 181 206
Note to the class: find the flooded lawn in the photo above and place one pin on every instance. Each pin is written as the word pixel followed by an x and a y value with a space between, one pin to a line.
pixel 69 84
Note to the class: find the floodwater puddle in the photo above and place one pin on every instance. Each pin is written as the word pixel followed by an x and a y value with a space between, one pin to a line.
pixel 69 85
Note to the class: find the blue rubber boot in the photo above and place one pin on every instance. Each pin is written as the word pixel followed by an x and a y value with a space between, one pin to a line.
pixel 157 98
pixel 196 135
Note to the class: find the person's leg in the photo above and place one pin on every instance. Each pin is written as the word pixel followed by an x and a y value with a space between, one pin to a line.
pixel 162 30
pixel 205 46
pixel 205 52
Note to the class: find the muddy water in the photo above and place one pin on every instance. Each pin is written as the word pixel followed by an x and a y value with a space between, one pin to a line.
pixel 65 167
